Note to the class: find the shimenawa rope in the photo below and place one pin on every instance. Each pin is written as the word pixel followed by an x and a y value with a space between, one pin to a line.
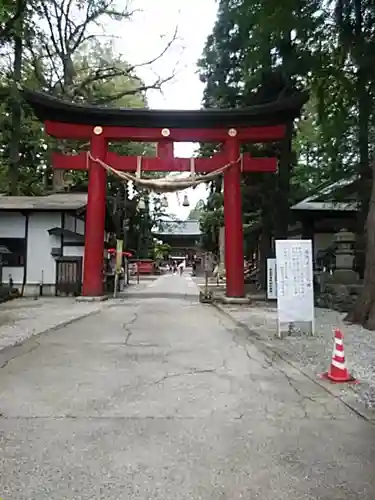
pixel 164 185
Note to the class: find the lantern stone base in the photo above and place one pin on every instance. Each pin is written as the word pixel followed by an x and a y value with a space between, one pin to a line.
pixel 345 276
pixel 340 297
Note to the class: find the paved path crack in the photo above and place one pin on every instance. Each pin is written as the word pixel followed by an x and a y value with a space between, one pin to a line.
pixel 106 417
pixel 126 326
pixel 182 374
pixel 268 362
pixel 19 354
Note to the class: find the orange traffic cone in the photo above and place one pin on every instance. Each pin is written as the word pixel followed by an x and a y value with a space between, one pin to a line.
pixel 338 371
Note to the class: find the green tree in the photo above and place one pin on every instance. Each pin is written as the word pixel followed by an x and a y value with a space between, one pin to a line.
pixel 196 212
pixel 263 50
pixel 62 57
pixel 161 251
pixel 11 12
pixel 355 21
pixel 251 58
pixel 67 33
pixel 50 45
pixel 212 219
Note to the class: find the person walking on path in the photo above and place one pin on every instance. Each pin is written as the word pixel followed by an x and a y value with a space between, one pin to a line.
pixel 181 267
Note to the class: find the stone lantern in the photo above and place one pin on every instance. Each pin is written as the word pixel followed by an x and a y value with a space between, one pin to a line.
pixel 344 254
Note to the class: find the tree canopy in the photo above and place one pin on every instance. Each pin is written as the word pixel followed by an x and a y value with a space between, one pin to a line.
pixel 260 50
pixel 196 212
pixel 60 47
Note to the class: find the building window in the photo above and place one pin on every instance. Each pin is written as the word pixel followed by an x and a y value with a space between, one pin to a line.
pixel 17 249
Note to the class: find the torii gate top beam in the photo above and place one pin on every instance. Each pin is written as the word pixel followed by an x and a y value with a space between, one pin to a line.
pixel 260 123
pixel 84 132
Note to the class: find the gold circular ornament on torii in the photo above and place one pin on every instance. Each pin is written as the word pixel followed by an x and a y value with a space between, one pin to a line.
pixel 98 130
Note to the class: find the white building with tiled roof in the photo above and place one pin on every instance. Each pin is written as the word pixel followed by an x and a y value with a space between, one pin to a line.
pixel 44 236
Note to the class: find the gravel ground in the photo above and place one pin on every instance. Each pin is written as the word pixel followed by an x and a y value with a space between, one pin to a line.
pixel 313 353
pixel 20 319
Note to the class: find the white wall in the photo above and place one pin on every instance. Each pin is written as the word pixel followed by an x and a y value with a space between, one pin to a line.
pixel 15 272
pixel 71 251
pixel 40 263
pixel 12 225
pixel 77 226
pixel 80 228
pixel 69 222
pixel 74 224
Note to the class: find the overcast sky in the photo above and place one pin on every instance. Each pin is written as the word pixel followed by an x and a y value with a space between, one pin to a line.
pixel 145 37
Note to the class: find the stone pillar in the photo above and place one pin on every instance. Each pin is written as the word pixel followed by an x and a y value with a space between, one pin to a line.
pixel 58 180
pixel 344 254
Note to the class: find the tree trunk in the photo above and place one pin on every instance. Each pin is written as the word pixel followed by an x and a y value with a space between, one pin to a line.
pixel 363 312
pixel 281 207
pixel 265 251
pixel 365 171
pixel 265 245
pixel 267 223
pixel 365 103
pixel 14 146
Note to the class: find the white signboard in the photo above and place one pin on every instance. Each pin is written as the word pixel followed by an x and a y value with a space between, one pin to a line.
pixel 295 287
pixel 271 279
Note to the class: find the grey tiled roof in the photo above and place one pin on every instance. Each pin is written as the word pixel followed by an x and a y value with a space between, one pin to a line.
pixel 57 201
pixel 181 227
pixel 335 196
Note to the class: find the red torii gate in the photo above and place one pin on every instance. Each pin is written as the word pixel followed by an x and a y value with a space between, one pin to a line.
pixel 99 125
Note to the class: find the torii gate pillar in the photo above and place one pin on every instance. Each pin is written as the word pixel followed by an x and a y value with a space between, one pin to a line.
pixel 95 219
pixel 233 222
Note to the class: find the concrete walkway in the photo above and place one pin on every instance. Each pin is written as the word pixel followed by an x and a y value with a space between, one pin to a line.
pixel 160 397
pixel 23 318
